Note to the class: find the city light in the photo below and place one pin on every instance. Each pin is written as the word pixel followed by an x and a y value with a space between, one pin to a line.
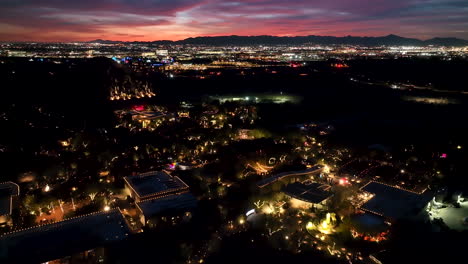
pixel 263 148
pixel 343 181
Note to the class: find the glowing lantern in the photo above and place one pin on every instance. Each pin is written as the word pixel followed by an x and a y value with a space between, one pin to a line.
pixel 343 181
pixel 139 107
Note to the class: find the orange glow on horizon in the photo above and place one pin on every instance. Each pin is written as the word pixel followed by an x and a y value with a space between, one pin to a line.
pixel 67 21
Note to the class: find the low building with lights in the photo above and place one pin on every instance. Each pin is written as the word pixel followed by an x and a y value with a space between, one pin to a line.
pixel 60 239
pixel 9 192
pixel 290 176
pixel 310 194
pixel 154 184
pixel 172 207
pixel 394 203
pixel 159 195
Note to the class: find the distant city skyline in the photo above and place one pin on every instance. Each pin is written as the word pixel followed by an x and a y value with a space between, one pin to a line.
pixel 148 20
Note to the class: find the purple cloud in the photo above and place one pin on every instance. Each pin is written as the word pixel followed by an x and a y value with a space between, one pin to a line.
pixel 176 19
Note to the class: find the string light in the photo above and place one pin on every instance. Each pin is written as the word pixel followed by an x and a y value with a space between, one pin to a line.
pixel 277 177
pixel 396 187
pixel 157 198
pixel 58 223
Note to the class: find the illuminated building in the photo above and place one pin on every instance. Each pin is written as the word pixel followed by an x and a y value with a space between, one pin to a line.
pixel 314 194
pixel 57 240
pixel 18 53
pixel 162 52
pixel 173 205
pixel 286 175
pixel 157 192
pixel 153 184
pixel 148 54
pixel 392 202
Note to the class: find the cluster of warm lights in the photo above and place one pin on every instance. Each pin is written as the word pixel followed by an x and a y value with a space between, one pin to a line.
pixel 373 238
pixel 259 168
pixel 343 181
pixel 339 65
pixel 125 96
pixel 325 226
pixel 120 93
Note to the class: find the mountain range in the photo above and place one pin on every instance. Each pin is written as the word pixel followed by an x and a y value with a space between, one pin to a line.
pixel 389 40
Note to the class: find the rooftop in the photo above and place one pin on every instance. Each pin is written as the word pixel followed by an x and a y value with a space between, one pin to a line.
pixel 7 191
pixel 155 183
pixel 394 202
pixel 56 240
pixel 170 203
pixel 267 181
pixel 312 193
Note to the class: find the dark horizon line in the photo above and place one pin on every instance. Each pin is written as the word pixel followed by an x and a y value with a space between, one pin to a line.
pixel 224 36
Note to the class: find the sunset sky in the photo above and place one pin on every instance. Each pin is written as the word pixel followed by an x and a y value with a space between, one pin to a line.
pixel 144 20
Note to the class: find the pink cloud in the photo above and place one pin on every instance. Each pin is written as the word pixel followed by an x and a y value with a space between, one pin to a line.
pixel 178 19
